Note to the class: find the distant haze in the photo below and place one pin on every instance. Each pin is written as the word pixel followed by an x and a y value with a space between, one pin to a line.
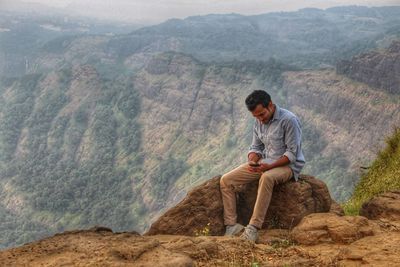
pixel 155 11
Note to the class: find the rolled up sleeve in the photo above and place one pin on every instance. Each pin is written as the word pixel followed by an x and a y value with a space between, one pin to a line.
pixel 257 145
pixel 292 139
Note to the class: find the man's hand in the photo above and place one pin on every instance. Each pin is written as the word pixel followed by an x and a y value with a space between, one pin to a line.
pixel 253 158
pixel 261 168
pixel 282 161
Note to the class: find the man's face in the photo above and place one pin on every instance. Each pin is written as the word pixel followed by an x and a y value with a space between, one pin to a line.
pixel 263 114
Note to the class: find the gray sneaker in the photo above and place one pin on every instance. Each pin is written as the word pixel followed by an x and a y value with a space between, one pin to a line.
pixel 232 230
pixel 250 233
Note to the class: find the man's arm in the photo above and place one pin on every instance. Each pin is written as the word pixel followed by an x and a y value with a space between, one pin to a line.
pixel 282 161
pixel 292 139
pixel 256 148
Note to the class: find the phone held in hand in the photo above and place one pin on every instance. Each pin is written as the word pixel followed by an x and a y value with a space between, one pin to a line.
pixel 254 164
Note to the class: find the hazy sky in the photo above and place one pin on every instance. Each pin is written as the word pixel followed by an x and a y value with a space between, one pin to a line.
pixel 154 11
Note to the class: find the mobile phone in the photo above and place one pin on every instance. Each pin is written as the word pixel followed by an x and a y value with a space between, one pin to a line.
pixel 254 164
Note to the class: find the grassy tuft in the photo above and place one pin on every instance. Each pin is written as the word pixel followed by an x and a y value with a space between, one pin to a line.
pixel 382 176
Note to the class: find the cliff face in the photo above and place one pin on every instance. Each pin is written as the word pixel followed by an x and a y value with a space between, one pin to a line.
pixel 353 118
pixel 379 69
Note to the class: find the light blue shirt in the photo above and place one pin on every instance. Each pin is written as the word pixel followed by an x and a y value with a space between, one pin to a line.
pixel 281 136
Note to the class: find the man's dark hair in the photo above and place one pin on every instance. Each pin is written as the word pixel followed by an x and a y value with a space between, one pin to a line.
pixel 257 97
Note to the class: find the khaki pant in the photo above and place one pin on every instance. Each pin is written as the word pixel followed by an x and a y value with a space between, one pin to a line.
pixel 240 176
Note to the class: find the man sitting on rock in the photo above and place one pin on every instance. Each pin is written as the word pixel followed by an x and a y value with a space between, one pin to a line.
pixel 275 157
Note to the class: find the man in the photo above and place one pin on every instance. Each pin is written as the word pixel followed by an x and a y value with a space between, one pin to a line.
pixel 275 157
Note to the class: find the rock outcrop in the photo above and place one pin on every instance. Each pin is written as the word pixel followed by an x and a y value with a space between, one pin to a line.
pixel 380 250
pixel 378 69
pixel 330 228
pixel 203 207
pixel 94 247
pixel 384 206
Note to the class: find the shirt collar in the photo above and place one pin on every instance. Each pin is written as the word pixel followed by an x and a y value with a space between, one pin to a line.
pixel 277 113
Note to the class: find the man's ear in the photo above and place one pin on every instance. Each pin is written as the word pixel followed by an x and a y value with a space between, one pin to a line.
pixel 270 106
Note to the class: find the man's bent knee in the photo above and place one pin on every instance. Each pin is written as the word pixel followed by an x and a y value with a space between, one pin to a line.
pixel 226 179
pixel 223 181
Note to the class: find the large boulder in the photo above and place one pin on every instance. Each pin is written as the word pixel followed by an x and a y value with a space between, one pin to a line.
pixel 202 208
pixel 384 206
pixel 290 202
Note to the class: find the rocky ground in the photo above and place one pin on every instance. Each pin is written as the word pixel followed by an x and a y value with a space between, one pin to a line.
pixel 101 247
pixel 319 239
